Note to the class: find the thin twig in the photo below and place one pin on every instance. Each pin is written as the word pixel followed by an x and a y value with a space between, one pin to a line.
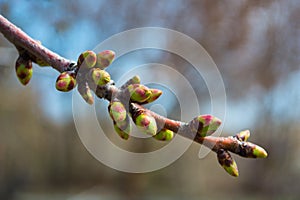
pixel 21 40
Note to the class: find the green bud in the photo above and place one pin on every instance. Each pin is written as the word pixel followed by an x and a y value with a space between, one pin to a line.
pixel 24 69
pixel 259 152
pixel 243 135
pixel 139 93
pixel 232 169
pixel 86 93
pixel 99 76
pixel 87 59
pixel 122 133
pixel 123 128
pixel 65 81
pixel 164 134
pixel 227 162
pixel 105 58
pixel 146 124
pixel 205 125
pixel 117 111
pixel 155 94
pixel 250 150
pixel 135 80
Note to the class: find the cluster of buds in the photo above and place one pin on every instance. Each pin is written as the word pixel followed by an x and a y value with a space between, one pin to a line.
pixel 89 59
pixel 24 68
pixel 89 74
pixel 245 149
pixel 92 72
pixel 134 92
pixel 205 125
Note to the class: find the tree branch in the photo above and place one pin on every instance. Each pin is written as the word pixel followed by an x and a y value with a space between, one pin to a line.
pixel 128 99
pixel 22 41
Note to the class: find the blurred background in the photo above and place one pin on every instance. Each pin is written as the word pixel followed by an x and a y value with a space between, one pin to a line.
pixel 256 46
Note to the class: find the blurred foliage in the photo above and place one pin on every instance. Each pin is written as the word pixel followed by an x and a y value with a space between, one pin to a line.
pixel 256 47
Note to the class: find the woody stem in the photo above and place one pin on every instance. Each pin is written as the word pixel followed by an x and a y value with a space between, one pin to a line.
pixel 21 40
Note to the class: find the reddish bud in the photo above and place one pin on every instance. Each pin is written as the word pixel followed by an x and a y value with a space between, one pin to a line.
pixel 24 69
pixel 105 58
pixel 117 111
pixel 155 94
pixel 65 81
pixel 204 125
pixel 87 59
pixel 146 124
pixel 139 93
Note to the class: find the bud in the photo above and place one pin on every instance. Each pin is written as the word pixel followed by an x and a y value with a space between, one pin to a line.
pixel 164 135
pixel 135 80
pixel 250 150
pixel 99 76
pixel 123 125
pixel 259 152
pixel 243 135
pixel 146 124
pixel 139 93
pixel 105 58
pixel 24 69
pixel 123 128
pixel 227 162
pixel 124 134
pixel 204 125
pixel 155 94
pixel 65 81
pixel 117 111
pixel 87 59
pixel 86 93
